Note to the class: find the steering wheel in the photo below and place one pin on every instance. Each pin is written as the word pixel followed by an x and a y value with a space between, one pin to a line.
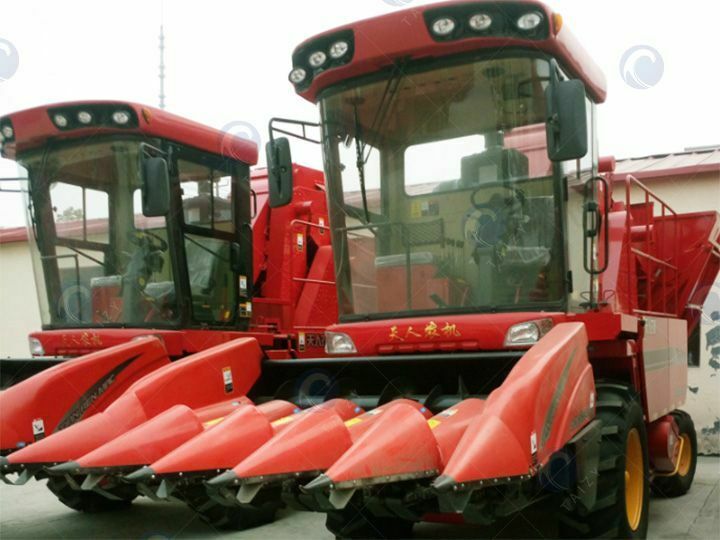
pixel 498 218
pixel 143 239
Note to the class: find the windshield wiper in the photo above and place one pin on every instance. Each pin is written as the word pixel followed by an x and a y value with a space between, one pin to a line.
pixel 386 101
pixel 360 163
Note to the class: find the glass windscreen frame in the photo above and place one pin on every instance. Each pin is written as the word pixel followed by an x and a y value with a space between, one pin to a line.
pixel 105 265
pixel 387 186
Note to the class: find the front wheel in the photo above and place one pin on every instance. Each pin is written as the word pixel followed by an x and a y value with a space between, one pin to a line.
pixel 231 517
pixel 623 488
pixel 90 502
pixel 356 522
pixel 679 483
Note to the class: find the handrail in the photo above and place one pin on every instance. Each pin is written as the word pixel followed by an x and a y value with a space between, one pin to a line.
pixel 634 253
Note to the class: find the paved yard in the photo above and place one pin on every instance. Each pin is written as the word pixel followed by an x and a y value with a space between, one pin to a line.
pixel 32 512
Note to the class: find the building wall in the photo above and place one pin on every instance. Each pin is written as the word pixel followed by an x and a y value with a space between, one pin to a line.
pixel 20 313
pixel 695 194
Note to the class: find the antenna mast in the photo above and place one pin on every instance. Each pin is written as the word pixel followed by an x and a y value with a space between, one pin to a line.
pixel 162 67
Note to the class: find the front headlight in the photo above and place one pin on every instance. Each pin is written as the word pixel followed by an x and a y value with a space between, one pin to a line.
pixel 443 26
pixel 339 343
pixel 530 21
pixel 60 120
pixel 297 75
pixel 527 333
pixel 84 117
pixel 339 49
pixel 480 22
pixel 317 59
pixel 36 347
pixel 121 117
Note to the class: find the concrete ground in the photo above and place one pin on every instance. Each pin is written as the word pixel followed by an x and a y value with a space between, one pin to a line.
pixel 32 512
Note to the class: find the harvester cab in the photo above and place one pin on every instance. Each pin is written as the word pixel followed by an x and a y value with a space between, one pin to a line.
pixel 487 270
pixel 144 222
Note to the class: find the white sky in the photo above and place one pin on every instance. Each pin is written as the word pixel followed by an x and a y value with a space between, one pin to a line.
pixel 227 61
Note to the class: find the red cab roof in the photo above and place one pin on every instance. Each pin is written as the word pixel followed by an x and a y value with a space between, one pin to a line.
pixel 34 127
pixel 380 41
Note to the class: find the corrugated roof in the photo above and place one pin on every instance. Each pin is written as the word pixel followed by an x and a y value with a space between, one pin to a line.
pixel 690 162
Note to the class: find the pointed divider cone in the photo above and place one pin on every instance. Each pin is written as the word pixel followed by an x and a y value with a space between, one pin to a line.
pixel 489 449
pixel 141 475
pixel 515 431
pixel 69 467
pixel 78 439
pixel 147 442
pixel 310 443
pixel 400 443
pixel 223 445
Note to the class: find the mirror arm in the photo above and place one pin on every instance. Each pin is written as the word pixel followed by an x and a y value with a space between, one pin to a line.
pixel 303 124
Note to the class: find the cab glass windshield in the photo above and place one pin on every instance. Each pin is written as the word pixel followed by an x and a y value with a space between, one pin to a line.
pixel 441 192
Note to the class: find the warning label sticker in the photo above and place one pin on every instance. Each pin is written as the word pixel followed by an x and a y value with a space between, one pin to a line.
pixel 38 428
pixel 228 380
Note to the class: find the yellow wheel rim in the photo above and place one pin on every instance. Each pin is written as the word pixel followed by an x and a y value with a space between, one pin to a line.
pixel 685 456
pixel 634 480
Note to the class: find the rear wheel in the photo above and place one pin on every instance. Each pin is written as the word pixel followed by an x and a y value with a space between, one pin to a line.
pixel 679 484
pixel 621 508
pixel 355 521
pixel 90 501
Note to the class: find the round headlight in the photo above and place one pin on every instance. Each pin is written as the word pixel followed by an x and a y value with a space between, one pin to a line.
pixel 530 21
pixel 317 59
pixel 480 22
pixel 84 117
pixel 339 49
pixel 443 27
pixel 121 117
pixel 297 75
pixel 8 132
pixel 60 120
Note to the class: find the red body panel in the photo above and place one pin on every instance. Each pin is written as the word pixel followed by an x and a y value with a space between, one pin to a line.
pixel 69 392
pixel 381 41
pixel 664 365
pixel 527 419
pixel 33 127
pixel 196 381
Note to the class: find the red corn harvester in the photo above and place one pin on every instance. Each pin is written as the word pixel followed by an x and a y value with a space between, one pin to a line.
pixel 153 241
pixel 511 332
pixel 486 268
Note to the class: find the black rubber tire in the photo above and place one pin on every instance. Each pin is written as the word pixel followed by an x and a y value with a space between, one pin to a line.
pixel 354 521
pixel 90 502
pixel 237 518
pixel 620 412
pixel 678 485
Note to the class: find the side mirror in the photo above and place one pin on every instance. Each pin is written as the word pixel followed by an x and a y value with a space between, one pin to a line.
pixel 280 174
pixel 567 130
pixel 155 187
